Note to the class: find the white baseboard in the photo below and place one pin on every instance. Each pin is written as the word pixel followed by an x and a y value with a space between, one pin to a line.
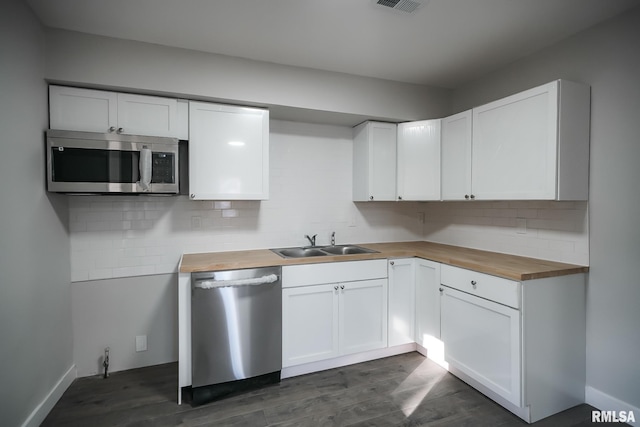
pixel 605 402
pixel 41 411
pixel 307 368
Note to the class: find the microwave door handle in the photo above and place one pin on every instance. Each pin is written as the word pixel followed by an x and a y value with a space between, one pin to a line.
pixel 145 169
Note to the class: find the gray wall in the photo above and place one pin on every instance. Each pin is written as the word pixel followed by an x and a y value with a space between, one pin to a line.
pixel 315 95
pixel 606 57
pixel 35 312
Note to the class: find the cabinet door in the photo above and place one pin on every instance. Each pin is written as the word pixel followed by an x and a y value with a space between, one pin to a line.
pixel 514 146
pixel 228 152
pixel 147 115
pixel 419 160
pixel 363 315
pixel 427 303
pixel 401 301
pixel 82 109
pixel 482 339
pixel 309 324
pixel 374 162
pixel 456 157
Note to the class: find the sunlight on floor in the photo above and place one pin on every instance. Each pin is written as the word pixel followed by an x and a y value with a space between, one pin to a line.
pixel 435 351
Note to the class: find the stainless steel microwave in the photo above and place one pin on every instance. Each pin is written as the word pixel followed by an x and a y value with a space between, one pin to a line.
pixel 97 163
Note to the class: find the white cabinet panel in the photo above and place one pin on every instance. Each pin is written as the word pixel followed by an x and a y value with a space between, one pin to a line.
pixel 330 272
pixel 111 112
pixel 533 145
pixel 147 115
pixel 499 289
pixel 228 152
pixel 363 316
pixel 82 109
pixel 427 302
pixel 456 157
pixel 310 324
pixel 482 339
pixel 374 161
pixel 402 306
pixel 419 160
pixel 514 146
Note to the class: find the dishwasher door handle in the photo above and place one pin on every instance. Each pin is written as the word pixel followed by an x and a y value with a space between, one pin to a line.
pixel 211 284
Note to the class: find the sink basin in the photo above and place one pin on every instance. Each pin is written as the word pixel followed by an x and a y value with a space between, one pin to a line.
pixel 306 252
pixel 346 250
pixel 299 252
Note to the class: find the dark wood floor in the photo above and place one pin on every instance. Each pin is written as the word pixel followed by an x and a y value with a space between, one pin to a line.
pixel 406 390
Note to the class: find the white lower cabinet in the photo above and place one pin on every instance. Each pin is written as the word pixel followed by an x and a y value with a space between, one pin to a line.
pixel 310 321
pixel 427 329
pixel 520 343
pixel 362 316
pixel 325 320
pixel 402 307
pixel 482 339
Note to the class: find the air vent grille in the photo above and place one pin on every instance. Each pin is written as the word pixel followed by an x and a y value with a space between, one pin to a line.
pixel 407 6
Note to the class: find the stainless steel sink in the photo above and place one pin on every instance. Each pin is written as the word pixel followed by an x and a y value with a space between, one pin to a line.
pixel 304 252
pixel 346 250
pixel 299 252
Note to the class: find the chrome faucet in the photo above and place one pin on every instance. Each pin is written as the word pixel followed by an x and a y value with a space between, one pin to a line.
pixel 333 238
pixel 312 240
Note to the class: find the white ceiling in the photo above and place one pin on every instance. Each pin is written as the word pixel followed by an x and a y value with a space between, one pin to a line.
pixel 444 43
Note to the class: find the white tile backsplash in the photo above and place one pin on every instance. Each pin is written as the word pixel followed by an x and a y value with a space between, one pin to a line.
pixel 557 231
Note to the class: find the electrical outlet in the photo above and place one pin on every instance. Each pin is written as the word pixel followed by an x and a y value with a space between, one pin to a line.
pixel 141 343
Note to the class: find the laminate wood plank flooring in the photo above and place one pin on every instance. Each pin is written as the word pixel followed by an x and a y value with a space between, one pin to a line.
pixel 404 390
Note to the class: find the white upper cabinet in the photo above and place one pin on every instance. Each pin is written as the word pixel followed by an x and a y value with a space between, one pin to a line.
pixel 82 109
pixel 148 115
pixel 456 157
pixel 419 160
pixel 228 152
pixel 374 162
pixel 533 145
pixel 111 112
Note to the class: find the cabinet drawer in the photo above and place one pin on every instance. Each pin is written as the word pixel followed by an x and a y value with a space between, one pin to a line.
pixel 503 291
pixel 333 272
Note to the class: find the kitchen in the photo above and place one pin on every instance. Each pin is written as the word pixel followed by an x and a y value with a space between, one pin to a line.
pixel 68 323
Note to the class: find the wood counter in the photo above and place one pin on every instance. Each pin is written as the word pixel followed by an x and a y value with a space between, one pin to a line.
pixel 508 266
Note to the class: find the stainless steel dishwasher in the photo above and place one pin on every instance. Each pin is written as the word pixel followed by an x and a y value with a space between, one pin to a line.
pixel 236 331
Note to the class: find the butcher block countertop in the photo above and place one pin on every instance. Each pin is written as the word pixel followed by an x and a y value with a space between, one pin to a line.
pixel 502 265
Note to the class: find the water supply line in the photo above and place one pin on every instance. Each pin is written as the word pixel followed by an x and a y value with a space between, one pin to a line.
pixel 106 363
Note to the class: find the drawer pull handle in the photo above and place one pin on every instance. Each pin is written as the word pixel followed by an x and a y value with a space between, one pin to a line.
pixel 441 290
pixel 335 287
pixel 392 263
pixel 342 287
pixel 473 283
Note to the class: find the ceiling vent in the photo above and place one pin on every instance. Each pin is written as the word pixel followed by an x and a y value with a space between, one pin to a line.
pixel 407 6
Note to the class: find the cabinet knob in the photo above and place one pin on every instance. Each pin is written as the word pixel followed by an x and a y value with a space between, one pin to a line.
pixel 112 129
pixel 120 130
pixel 391 262
pixel 474 283
pixel 370 197
pixel 473 197
pixel 466 196
pixel 335 287
pixel 399 197
pixel 193 196
pixel 342 287
pixel 441 290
